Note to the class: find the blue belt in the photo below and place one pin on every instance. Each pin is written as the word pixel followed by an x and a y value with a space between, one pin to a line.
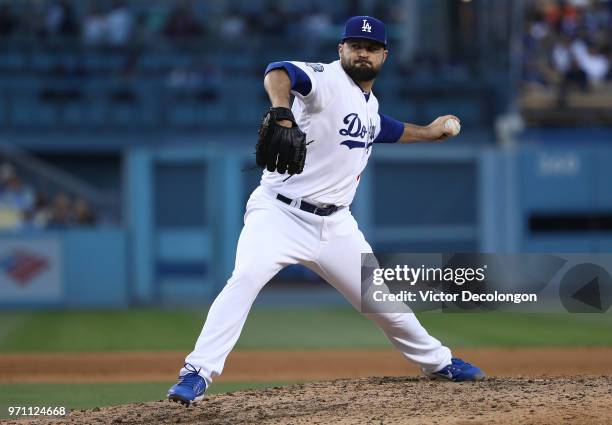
pixel 308 207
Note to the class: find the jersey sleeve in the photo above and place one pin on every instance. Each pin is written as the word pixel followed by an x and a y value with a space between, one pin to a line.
pixel 308 82
pixel 390 130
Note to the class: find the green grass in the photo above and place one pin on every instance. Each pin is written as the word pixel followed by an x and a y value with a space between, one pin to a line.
pixel 294 329
pixel 520 330
pixel 139 329
pixel 87 396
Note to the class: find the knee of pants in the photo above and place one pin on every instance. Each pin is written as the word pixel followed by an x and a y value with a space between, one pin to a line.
pixel 250 278
pixel 395 320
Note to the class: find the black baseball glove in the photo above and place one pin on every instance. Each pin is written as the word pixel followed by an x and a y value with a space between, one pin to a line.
pixel 279 148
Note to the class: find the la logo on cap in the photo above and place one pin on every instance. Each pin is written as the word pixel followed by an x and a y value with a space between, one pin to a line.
pixel 366 26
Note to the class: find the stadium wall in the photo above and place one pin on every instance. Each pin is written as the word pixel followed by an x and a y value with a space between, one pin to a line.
pixel 183 210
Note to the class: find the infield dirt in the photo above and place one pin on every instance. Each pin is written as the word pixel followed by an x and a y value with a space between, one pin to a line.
pixel 529 386
pixel 389 400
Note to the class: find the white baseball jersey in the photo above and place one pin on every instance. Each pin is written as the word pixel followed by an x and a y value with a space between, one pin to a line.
pixel 341 125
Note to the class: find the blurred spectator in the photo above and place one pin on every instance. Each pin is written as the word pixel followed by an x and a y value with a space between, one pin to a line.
pixel 95 27
pixel 534 54
pixel 60 212
pixel 16 198
pixel 60 19
pixel 560 15
pixel 64 212
pixel 119 24
pixel 234 25
pixel 565 54
pixel 317 23
pixel 83 215
pixel 182 24
pixel 565 59
pixel 113 28
pixel 40 216
pixel 595 65
pixel 537 27
pixel 21 207
pixel 566 44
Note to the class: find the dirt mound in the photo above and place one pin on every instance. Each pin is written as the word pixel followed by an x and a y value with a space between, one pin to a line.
pixel 382 400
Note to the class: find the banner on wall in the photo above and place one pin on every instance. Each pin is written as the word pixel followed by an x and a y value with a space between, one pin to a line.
pixel 30 270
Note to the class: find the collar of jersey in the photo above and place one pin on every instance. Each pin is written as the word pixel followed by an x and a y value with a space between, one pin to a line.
pixel 365 95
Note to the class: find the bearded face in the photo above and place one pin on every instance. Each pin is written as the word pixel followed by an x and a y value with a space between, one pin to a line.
pixel 362 59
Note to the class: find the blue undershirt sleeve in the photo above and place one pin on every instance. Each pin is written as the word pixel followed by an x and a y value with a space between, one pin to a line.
pixel 300 81
pixel 390 130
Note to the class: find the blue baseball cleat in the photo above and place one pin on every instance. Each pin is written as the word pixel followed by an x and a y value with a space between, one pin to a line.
pixel 190 387
pixel 459 371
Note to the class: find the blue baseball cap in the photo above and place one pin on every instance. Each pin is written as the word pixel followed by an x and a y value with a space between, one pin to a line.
pixel 365 27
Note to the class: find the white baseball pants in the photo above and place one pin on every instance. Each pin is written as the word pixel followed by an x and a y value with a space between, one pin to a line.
pixel 276 235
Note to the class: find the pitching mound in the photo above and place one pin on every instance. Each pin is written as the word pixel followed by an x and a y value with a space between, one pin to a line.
pixel 383 400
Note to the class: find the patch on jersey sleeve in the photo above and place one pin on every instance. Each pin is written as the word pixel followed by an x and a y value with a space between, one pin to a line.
pixel 316 67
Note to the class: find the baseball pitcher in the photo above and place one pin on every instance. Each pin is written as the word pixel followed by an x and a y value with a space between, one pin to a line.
pixel 313 153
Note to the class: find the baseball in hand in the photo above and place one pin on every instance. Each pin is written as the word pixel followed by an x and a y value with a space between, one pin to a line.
pixel 452 127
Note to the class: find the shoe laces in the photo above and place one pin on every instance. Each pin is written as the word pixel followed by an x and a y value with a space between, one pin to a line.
pixel 193 376
pixel 458 364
